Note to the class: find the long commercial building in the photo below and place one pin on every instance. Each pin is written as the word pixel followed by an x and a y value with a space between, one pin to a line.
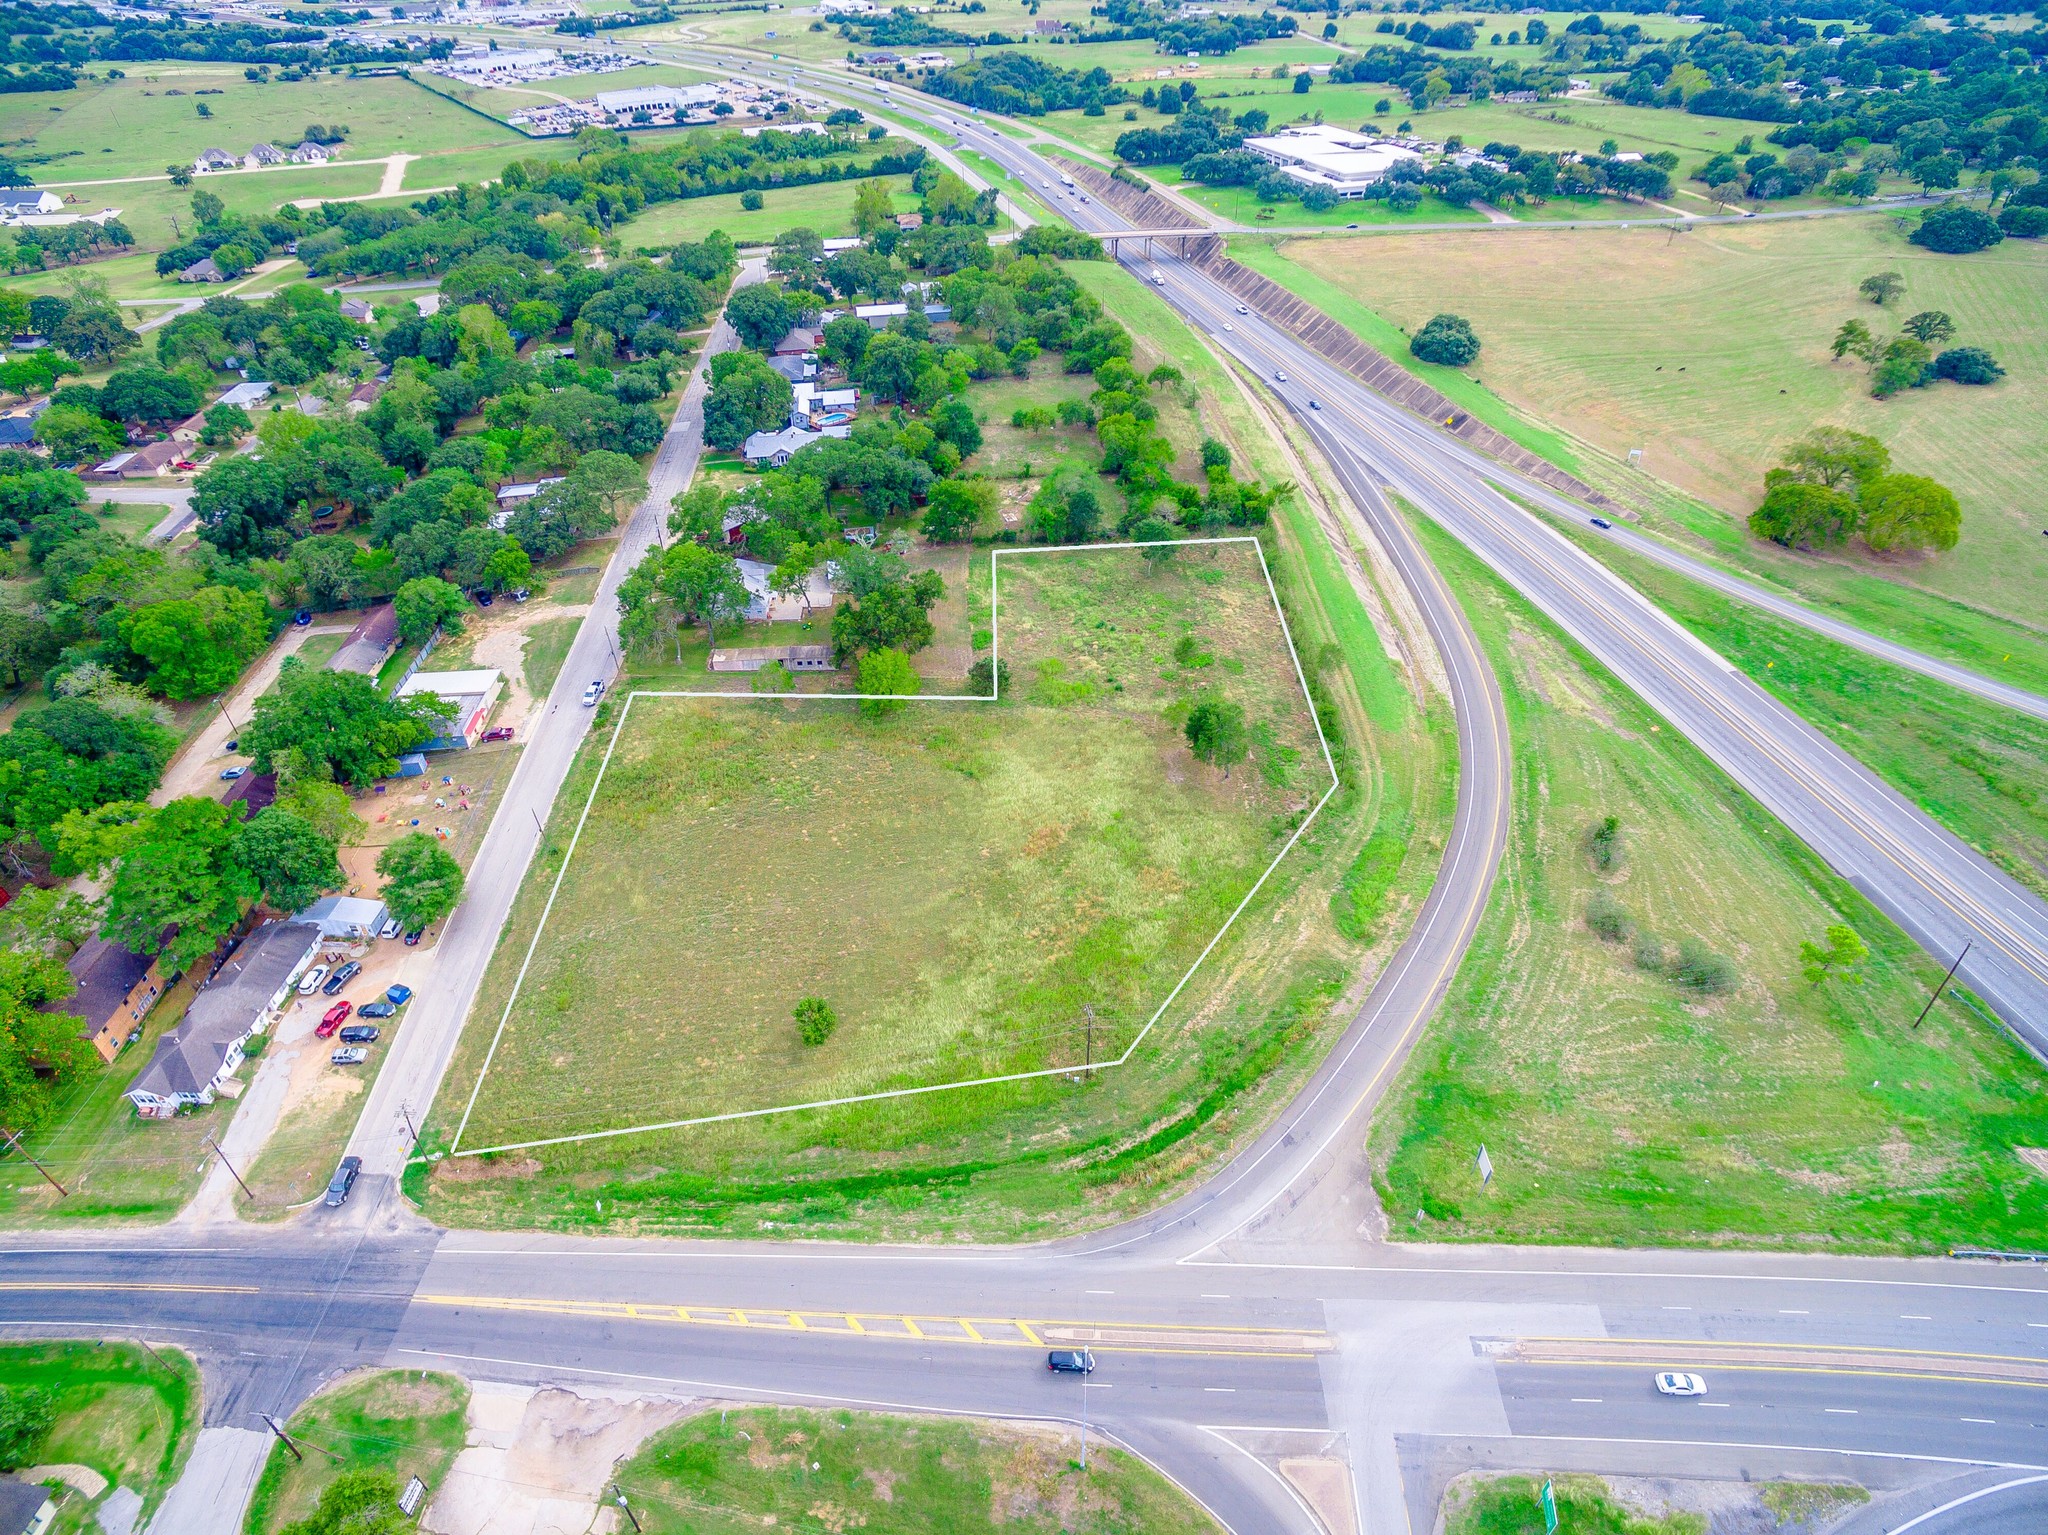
pixel 1318 155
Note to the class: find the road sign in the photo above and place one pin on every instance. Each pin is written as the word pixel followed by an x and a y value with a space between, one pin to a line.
pixel 1485 1165
pixel 1548 1497
pixel 409 1500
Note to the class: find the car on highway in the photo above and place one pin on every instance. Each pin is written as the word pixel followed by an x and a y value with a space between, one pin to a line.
pixel 1244 309
pixel 1678 1383
pixel 341 978
pixel 375 1010
pixel 499 733
pixel 398 996
pixel 1279 378
pixel 1315 404
pixel 229 775
pixel 344 1179
pixel 1602 522
pixel 1070 1361
pixel 360 1033
pixel 592 694
pixel 1228 326
pixel 310 981
pixel 333 1019
pixel 354 1055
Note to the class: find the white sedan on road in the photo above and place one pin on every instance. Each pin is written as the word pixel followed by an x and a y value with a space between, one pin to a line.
pixel 1676 1383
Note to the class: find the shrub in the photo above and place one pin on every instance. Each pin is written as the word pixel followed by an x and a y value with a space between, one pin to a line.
pixel 989 678
pixel 1448 339
pixel 751 201
pixel 1648 950
pixel 1969 364
pixel 1609 918
pixel 1956 229
pixel 815 1021
pixel 1605 845
pixel 2024 223
pixel 25 1418
pixel 1703 970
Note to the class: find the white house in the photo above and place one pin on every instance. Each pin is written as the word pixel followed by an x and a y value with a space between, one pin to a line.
pixel 18 203
pixel 471 694
pixel 260 155
pixel 248 395
pixel 361 310
pixel 765 603
pixel 215 160
pixel 809 404
pixel 350 918
pixel 244 998
pixel 310 153
pixel 776 448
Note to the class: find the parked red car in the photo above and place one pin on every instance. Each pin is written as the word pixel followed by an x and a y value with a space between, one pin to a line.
pixel 502 733
pixel 337 1015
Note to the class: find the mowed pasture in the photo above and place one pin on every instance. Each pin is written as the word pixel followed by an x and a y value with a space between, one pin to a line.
pixel 1709 350
pixel 976 889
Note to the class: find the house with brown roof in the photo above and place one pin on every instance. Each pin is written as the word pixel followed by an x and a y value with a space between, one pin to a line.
pixel 367 645
pixel 116 989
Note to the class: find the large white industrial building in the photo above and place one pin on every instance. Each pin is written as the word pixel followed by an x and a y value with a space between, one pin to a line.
pixel 1318 155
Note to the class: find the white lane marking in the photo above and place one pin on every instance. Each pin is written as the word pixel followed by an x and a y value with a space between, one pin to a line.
pixel 1980 1420
pixel 1677 1308
pixel 1782 1311
pixel 1098 1292
pixel 1207 1296
pixel 1586 1399
pixel 1909 1317
pixel 1717 1404
pixel 1845 1412
pixel 1224 1390
pixel 1968 1497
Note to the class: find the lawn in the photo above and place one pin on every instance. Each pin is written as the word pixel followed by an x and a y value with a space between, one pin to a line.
pixel 298 1159
pixel 719 1474
pixel 404 1422
pixel 115 1166
pixel 1018 898
pixel 826 207
pixel 125 1411
pixel 1709 351
pixel 1242 205
pixel 547 647
pixel 1620 1107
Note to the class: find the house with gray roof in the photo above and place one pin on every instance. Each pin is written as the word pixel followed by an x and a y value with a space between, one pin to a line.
pixel 244 997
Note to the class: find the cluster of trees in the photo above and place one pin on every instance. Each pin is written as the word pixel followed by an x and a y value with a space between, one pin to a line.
pixel 1908 360
pixel 1427 78
pixel 46 47
pixel 1023 85
pixel 84 423
pixel 84 323
pixel 35 250
pixel 1834 485
pixel 1759 175
pixel 1957 229
pixel 234 244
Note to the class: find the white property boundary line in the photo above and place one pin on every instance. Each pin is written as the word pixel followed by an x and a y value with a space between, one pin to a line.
pixel 995 651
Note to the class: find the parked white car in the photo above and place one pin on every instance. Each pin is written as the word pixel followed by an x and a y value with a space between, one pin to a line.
pixel 310 981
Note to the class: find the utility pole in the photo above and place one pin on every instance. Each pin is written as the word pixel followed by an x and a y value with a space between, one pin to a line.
pixel 1952 969
pixel 226 716
pixel 276 1429
pixel 405 1113
pixel 14 1140
pixel 627 1507
pixel 1089 1059
pixel 224 1162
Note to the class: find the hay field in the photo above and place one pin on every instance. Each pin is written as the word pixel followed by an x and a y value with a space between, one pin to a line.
pixel 961 883
pixel 1709 350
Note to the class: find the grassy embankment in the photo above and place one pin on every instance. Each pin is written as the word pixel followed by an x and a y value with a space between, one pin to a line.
pixel 126 1412
pixel 1622 1107
pixel 964 1162
pixel 724 1473
pixel 404 1422
pixel 1710 351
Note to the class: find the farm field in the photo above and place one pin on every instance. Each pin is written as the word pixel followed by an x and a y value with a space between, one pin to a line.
pixel 126 1412
pixel 1018 897
pixel 826 207
pixel 1622 1108
pixel 709 1475
pixel 1710 352
pixel 402 1422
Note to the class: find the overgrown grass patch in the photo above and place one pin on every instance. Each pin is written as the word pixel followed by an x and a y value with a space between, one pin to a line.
pixel 127 1412
pixel 406 1423
pixel 1620 1105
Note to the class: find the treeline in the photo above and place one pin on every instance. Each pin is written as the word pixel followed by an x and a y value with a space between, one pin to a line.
pixel 1427 78
pixel 1021 85
pixel 32 249
pixel 524 213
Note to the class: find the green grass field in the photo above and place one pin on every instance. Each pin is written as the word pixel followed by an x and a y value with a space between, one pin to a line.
pixel 724 1473
pixel 404 1422
pixel 1016 896
pixel 1710 352
pixel 826 207
pixel 127 1412
pixel 1621 1108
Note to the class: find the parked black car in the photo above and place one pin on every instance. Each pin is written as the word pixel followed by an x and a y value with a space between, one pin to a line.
pixel 360 1034
pixel 344 1180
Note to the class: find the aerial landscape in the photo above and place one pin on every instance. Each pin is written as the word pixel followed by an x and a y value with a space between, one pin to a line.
pixel 1023 765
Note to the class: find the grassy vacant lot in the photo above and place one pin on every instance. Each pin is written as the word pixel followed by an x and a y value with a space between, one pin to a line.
pixel 127 1412
pixel 718 1474
pixel 1242 205
pixel 952 880
pixel 406 1422
pixel 826 207
pixel 1975 767
pixel 1621 1107
pixel 117 1167
pixel 1709 350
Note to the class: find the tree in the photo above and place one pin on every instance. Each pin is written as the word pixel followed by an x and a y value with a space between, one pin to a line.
pixel 614 480
pixel 145 393
pixel 846 340
pixel 1882 287
pixel 1216 733
pixel 181 872
pixel 953 420
pixel 891 364
pixel 761 315
pixel 1930 326
pixel 1843 951
pixel 355 1503
pixel 1803 516
pixel 508 568
pixel 797 252
pixel 1956 229
pixel 338 719
pixel 425 603
pixel 896 617
pixel 1835 457
pixel 75 436
pixel 1910 511
pixel 41 1053
pixel 1968 365
pixel 955 508
pixel 1902 366
pixel 289 857
pixel 698 512
pixel 885 675
pixel 1855 338
pixel 93 332
pixel 422 881
pixel 225 424
pixel 199 644
pixel 815 1020
pixel 874 207
pixel 1447 339
pixel 26 1418
pixel 746 396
